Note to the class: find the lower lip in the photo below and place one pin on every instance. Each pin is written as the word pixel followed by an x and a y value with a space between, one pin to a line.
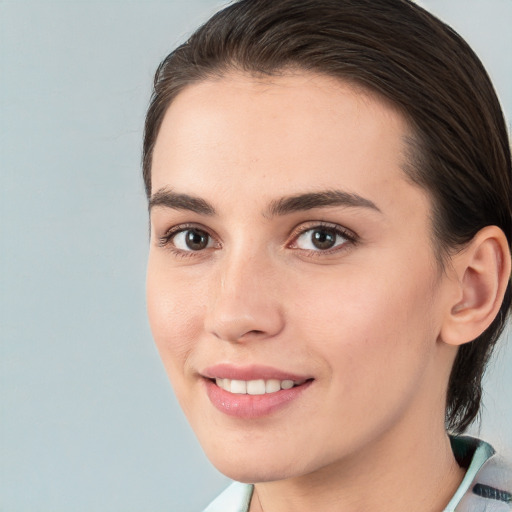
pixel 251 406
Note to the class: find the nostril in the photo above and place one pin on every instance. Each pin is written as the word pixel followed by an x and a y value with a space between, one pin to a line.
pixel 252 333
pixel 233 320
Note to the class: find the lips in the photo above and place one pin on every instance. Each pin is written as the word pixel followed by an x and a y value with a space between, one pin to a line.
pixel 254 391
pixel 251 372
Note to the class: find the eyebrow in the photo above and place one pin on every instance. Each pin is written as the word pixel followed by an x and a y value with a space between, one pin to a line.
pixel 278 207
pixel 169 199
pixel 321 199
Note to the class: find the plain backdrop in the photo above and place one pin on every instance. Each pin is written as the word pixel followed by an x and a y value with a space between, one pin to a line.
pixel 88 419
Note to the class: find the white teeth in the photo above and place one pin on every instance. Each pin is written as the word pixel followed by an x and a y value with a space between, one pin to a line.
pixel 272 385
pixel 256 387
pixel 239 387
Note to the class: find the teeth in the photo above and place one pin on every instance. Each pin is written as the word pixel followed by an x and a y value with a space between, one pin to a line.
pixel 272 385
pixel 256 387
pixel 239 387
pixel 287 384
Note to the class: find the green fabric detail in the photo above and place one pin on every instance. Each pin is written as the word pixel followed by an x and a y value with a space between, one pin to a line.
pixel 467 448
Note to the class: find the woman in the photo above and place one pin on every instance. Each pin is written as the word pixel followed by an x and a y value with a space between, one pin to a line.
pixel 329 187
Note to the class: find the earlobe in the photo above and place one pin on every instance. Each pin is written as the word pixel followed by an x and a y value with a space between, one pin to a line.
pixel 482 275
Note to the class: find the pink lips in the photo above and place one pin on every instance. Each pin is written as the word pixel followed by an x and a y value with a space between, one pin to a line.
pixel 253 372
pixel 251 406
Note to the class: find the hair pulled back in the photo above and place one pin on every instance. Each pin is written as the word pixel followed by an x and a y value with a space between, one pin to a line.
pixel 459 147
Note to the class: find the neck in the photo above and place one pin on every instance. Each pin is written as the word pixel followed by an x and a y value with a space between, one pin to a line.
pixel 413 471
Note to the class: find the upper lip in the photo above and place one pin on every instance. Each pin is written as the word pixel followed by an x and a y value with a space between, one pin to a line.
pixel 250 372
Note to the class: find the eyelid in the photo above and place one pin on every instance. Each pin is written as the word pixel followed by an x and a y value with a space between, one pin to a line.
pixel 351 237
pixel 166 239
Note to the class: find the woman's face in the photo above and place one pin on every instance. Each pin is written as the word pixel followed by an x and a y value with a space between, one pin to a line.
pixel 288 248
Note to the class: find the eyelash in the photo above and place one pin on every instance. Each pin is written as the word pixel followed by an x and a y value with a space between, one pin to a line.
pixel 351 238
pixel 166 240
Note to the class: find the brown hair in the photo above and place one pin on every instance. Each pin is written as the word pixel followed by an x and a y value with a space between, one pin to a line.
pixel 459 148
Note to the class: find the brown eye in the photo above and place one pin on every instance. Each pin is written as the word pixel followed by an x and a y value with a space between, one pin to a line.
pixel 321 238
pixel 191 239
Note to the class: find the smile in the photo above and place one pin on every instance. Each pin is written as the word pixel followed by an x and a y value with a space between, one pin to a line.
pixel 254 392
pixel 256 387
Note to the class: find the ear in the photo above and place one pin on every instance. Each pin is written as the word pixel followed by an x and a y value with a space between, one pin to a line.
pixel 482 273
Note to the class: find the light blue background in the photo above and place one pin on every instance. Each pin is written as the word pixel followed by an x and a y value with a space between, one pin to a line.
pixel 88 419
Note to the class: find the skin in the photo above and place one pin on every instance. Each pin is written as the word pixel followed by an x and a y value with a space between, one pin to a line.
pixel 363 319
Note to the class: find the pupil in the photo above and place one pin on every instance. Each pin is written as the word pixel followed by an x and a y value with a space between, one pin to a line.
pixel 196 240
pixel 323 239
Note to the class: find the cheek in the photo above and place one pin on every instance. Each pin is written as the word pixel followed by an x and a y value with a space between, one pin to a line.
pixel 373 336
pixel 173 317
pixel 366 323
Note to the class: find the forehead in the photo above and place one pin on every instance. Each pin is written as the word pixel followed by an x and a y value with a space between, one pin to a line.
pixel 280 135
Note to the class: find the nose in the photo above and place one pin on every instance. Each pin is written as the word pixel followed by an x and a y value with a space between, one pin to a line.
pixel 245 300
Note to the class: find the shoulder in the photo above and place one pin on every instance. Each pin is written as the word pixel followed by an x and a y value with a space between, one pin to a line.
pixel 236 498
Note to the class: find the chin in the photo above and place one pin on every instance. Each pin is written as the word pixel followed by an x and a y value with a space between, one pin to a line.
pixel 252 475
pixel 250 468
